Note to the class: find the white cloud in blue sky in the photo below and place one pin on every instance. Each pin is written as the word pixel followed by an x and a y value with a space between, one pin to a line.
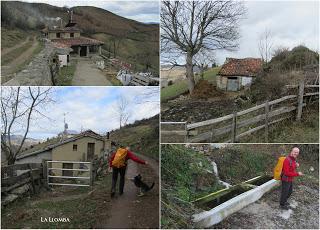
pixel 143 11
pixel 93 108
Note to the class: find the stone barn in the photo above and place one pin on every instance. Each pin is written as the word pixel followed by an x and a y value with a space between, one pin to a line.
pixel 236 74
pixel 70 36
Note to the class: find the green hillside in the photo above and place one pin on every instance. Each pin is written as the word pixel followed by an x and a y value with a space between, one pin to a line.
pixel 142 136
pixel 137 42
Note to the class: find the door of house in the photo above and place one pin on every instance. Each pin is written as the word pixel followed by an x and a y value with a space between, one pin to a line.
pixel 83 51
pixel 90 151
pixel 233 84
pixel 67 166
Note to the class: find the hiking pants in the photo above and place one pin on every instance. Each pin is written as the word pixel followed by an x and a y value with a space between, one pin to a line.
pixel 115 172
pixel 286 190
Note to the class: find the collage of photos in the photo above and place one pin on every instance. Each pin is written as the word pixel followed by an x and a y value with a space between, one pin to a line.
pixel 153 114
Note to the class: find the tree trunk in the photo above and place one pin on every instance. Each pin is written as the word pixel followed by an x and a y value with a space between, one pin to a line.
pixel 189 73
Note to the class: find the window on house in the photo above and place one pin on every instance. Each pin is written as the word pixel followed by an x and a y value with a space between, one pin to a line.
pixel 71 35
pixel 75 147
pixel 58 35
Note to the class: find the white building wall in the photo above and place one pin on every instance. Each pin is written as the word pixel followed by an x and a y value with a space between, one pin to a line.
pixel 36 158
pixel 63 60
pixel 246 81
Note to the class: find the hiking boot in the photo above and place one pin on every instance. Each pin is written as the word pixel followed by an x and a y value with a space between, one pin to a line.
pixel 284 207
pixel 113 193
pixel 120 193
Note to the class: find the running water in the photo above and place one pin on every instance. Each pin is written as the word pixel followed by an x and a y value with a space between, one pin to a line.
pixel 215 171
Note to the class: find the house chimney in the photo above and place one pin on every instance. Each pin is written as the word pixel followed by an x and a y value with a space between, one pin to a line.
pixel 71 15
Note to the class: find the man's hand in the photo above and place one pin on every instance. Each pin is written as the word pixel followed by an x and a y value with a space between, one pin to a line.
pixel 300 173
pixel 146 162
pixel 297 164
pixel 109 169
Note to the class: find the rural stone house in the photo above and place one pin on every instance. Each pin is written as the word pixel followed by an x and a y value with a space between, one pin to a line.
pixel 81 147
pixel 238 73
pixel 70 36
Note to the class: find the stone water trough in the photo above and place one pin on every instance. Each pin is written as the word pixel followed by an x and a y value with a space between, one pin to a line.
pixel 220 204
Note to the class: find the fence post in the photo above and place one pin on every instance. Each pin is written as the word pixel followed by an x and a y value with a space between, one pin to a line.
pixel 300 100
pixel 32 180
pixel 266 109
pixel 234 128
pixel 91 174
pixel 186 136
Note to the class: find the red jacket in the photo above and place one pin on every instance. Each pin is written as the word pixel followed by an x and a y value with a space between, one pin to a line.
pixel 130 155
pixel 289 169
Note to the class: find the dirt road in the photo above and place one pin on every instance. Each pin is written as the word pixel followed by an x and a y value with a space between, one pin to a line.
pixel 265 213
pixel 131 211
pixel 8 50
pixel 11 67
pixel 87 74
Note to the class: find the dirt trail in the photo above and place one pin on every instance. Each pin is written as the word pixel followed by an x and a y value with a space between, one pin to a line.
pixel 7 50
pixel 126 210
pixel 87 74
pixel 11 67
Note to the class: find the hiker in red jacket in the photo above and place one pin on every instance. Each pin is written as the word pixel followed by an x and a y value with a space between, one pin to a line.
pixel 118 163
pixel 287 175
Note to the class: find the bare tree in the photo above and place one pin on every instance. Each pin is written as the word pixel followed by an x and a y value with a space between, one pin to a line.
pixel 19 106
pixel 122 110
pixel 265 45
pixel 190 27
pixel 203 60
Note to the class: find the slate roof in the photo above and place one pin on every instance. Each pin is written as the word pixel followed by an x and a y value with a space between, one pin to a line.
pixel 241 67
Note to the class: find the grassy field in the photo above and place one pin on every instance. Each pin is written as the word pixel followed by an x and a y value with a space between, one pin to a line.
pixel 9 57
pixel 181 87
pixel 142 137
pixel 66 74
pixel 139 53
pixel 9 37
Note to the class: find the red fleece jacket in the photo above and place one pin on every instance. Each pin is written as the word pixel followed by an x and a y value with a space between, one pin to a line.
pixel 289 172
pixel 130 155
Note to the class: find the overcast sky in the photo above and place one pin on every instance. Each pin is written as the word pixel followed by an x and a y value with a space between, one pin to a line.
pixel 291 23
pixel 143 11
pixel 93 108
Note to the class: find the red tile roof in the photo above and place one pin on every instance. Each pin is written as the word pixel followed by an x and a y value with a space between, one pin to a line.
pixel 241 67
pixel 77 41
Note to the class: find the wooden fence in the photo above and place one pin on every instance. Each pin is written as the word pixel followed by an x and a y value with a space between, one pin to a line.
pixel 232 127
pixel 19 179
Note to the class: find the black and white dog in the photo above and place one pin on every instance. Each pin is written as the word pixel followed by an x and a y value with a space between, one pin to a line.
pixel 137 180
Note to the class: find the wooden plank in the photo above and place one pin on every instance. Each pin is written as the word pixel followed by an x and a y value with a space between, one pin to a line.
pixel 209 122
pixel 200 137
pixel 230 116
pixel 300 100
pixel 5 189
pixel 172 122
pixel 266 111
pixel 311 94
pixel 12 180
pixel 234 128
pixel 174 132
pixel 260 127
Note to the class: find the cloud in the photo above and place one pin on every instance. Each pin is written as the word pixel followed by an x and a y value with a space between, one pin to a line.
pixel 143 11
pixel 291 23
pixel 92 108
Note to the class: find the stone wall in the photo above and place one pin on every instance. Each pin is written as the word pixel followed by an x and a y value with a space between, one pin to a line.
pixel 37 73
